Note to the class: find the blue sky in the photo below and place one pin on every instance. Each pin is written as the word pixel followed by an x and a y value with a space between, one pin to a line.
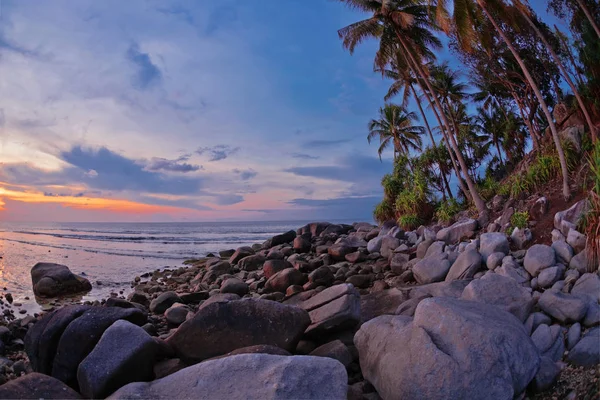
pixel 185 110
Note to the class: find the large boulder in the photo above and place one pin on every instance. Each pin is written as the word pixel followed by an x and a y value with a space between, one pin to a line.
pixel 335 308
pixel 276 240
pixel 252 263
pixel 502 292
pixel 576 240
pixel 374 245
pixel 466 265
pixel 37 386
pixel 431 269
pixel 301 244
pixel 52 280
pixel 81 336
pixel 538 257
pixel 586 352
pixel 165 300
pixel 314 228
pixel 452 349
pixel 454 233
pixel 248 376
pixel 379 303
pixel 271 267
pixel 569 218
pixel 493 242
pixel 388 244
pixel 563 252
pixel 217 269
pixel 339 251
pixel 225 326
pixel 240 253
pixel 588 285
pixel 284 279
pixel 564 307
pixel 124 354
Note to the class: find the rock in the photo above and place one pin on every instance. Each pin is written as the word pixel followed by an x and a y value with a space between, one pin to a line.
pixel 592 315
pixel 435 249
pixel 355 257
pixel 359 281
pixel 258 349
pixel 336 350
pixel 579 262
pixel 495 242
pixel 374 245
pixel 226 253
pixel 587 285
pixel 501 292
pixel 423 247
pixel 81 336
pixel 284 279
pixel 217 269
pixel 452 349
pixel 379 303
pixel 538 257
pixel 539 208
pixel 240 253
pixel 506 216
pixel 37 386
pixel 465 266
pixel 252 263
pixel 234 285
pixel 248 376
pixel 219 298
pixel 177 314
pixel 564 307
pixel 335 308
pixel 321 276
pixel 42 339
pixel 225 326
pixel 573 335
pixel 457 231
pixel 576 240
pixel 557 235
pixel 388 245
pixel 546 375
pixel 431 269
pixel 550 276
pixel 314 228
pixel 571 216
pixel 399 263
pixel 521 238
pixel 440 289
pixel 338 251
pixel 301 245
pixel 586 352
pixel 564 252
pixel 536 319
pixel 276 240
pixel 124 354
pixel 494 260
pixel 165 300
pixel 271 267
pixel 52 280
pixel 544 336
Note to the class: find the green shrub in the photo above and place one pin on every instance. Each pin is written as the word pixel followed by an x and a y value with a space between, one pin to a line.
pixel 446 210
pixel 383 211
pixel 409 222
pixel 489 188
pixel 519 219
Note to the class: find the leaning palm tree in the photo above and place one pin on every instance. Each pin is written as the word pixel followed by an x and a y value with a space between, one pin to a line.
pixel 470 14
pixel 404 26
pixel 395 127
pixel 491 125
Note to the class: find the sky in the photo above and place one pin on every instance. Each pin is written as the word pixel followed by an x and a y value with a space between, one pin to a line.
pixel 185 111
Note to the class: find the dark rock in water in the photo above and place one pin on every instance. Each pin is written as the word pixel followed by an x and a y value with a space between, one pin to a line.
pixel 42 339
pixel 284 279
pixel 37 386
pixel 225 326
pixel 160 304
pixel 124 354
pixel 276 240
pixel 452 349
pixel 52 280
pixel 248 376
pixel 82 334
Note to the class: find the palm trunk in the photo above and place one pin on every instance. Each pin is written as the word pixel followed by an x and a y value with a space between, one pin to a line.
pixel 499 153
pixel 442 172
pixel 565 74
pixel 536 144
pixel 589 16
pixel 559 149
pixel 477 200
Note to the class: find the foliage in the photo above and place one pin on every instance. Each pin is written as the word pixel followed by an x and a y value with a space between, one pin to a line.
pixel 384 211
pixel 592 229
pixel 409 222
pixel 519 219
pixel 489 187
pixel 446 210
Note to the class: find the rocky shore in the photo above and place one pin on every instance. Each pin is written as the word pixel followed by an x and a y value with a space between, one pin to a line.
pixel 332 311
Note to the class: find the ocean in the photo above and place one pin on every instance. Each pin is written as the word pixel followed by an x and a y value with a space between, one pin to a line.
pixel 110 255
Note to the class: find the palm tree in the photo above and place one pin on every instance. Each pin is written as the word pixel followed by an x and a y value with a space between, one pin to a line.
pixel 588 15
pixel 395 127
pixel 465 20
pixel 525 13
pixel 492 125
pixel 405 23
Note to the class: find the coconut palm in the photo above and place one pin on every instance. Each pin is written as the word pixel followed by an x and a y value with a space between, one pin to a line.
pixel 404 26
pixel 395 127
pixel 491 124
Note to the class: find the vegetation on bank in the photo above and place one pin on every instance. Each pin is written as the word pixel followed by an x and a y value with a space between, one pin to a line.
pixel 486 118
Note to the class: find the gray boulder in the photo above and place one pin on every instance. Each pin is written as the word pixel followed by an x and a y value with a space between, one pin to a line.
pixel 374 245
pixel 248 376
pixel 452 349
pixel 494 242
pixel 301 245
pixel 124 354
pixel 576 240
pixel 431 269
pixel 52 280
pixel 388 244
pixel 546 375
pixel 217 269
pixel 177 314
pixel 399 263
pixel 538 257
pixel 165 300
pixel 336 350
pixel 564 220
pixel 284 279
pixel 333 309
pixel 521 238
pixel 435 249
pixel 564 307
pixel 222 327
pixel 457 231
pixel 276 240
pixel 465 266
pixel 240 253
pixel 234 285
pixel 564 252
pixel 494 260
pixel 502 292
pixel 37 386
pixel 587 285
pixel 550 276
pixel 252 263
pixel 586 352
pixel 579 262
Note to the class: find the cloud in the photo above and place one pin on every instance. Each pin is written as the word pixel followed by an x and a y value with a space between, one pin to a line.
pixel 218 152
pixel 2 119
pixel 247 174
pixel 92 173
pixel 7 45
pixel 304 156
pixel 228 199
pixel 147 73
pixel 324 143
pixel 163 164
pixel 360 208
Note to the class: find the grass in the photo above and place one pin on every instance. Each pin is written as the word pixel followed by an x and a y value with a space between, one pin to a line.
pixel 592 219
pixel 409 222
pixel 383 211
pixel 519 219
pixel 446 210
